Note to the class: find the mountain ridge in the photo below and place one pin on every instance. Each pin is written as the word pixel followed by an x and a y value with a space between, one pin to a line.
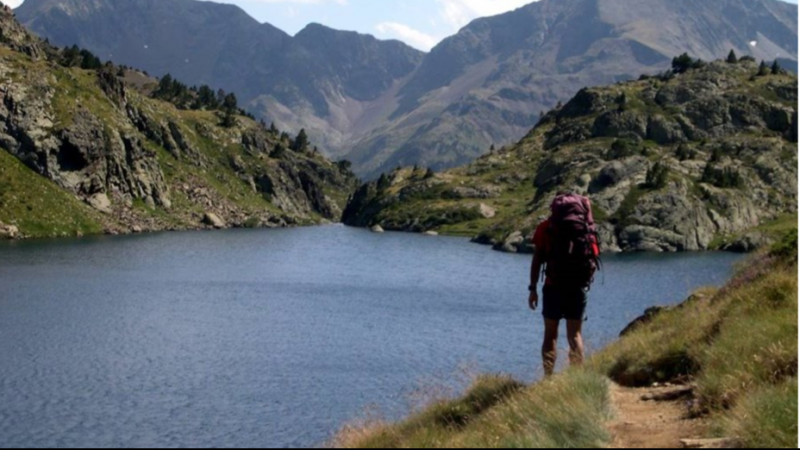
pixel 382 104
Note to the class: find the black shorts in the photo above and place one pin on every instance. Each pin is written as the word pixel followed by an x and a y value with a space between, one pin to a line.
pixel 560 303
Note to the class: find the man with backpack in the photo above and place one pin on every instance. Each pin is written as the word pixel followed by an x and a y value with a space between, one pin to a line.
pixel 567 253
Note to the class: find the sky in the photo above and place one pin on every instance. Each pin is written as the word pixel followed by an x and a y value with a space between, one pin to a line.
pixel 419 23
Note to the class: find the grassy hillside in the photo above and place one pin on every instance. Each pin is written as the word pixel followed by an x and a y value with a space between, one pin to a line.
pixel 38 207
pixel 736 345
pixel 687 161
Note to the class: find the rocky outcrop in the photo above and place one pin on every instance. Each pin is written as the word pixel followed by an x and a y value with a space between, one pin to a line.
pixel 672 163
pixel 144 164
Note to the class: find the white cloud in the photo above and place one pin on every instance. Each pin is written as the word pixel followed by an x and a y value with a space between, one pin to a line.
pixel 12 3
pixel 410 36
pixel 457 13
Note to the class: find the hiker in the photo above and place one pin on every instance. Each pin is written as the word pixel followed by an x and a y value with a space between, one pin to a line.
pixel 567 253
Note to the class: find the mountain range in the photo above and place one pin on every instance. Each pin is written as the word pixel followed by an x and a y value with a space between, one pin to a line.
pixel 382 104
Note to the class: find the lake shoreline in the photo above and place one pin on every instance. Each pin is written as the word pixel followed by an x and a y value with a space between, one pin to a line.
pixel 522 249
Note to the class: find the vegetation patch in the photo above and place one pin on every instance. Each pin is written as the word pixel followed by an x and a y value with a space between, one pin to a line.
pixel 38 207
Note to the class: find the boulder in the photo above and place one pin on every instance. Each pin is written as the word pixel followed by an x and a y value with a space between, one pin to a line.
pixel 513 242
pixel 487 211
pixel 213 220
pixel 747 243
pixel 431 233
pixel 9 232
pixel 663 131
pixel 377 229
pixel 100 202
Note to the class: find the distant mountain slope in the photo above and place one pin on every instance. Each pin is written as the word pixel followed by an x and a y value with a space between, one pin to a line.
pixel 99 156
pixel 322 79
pixel 383 104
pixel 489 83
pixel 680 163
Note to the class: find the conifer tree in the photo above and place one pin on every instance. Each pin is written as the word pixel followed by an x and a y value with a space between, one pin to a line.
pixel 763 69
pixel 732 58
pixel 301 141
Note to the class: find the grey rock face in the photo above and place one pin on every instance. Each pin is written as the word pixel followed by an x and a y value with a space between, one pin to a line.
pixel 85 157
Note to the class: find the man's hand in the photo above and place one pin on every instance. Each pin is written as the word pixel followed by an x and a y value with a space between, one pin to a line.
pixel 533 300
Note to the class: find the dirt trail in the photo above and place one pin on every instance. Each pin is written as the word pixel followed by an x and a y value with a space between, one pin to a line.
pixel 651 424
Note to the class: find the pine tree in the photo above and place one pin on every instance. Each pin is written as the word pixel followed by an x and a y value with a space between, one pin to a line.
pixel 622 102
pixel 732 58
pixel 384 182
pixel 273 129
pixel 229 118
pixel 164 86
pixel 763 69
pixel 301 142
pixel 230 102
pixel 206 98
pixel 776 68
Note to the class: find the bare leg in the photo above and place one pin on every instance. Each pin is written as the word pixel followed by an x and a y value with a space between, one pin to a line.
pixel 575 336
pixel 550 347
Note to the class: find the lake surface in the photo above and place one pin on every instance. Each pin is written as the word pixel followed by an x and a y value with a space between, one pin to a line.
pixel 273 337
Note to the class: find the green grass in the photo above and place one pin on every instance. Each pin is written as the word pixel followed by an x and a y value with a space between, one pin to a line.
pixel 497 412
pixel 737 344
pixel 774 230
pixel 38 207
pixel 764 418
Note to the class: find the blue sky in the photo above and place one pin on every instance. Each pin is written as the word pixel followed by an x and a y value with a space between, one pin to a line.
pixel 419 23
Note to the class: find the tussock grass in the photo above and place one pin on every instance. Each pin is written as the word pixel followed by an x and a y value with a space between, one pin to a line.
pixel 764 418
pixel 568 411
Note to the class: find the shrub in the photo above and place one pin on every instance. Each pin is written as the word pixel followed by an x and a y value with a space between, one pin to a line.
pixel 657 176
pixel 685 153
pixel 726 178
pixel 278 152
pixel 684 63
pixel 623 148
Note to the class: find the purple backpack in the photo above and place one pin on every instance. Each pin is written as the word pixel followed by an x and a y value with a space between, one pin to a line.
pixel 574 247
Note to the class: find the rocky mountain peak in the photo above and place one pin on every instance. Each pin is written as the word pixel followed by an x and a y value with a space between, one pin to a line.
pixel 382 103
